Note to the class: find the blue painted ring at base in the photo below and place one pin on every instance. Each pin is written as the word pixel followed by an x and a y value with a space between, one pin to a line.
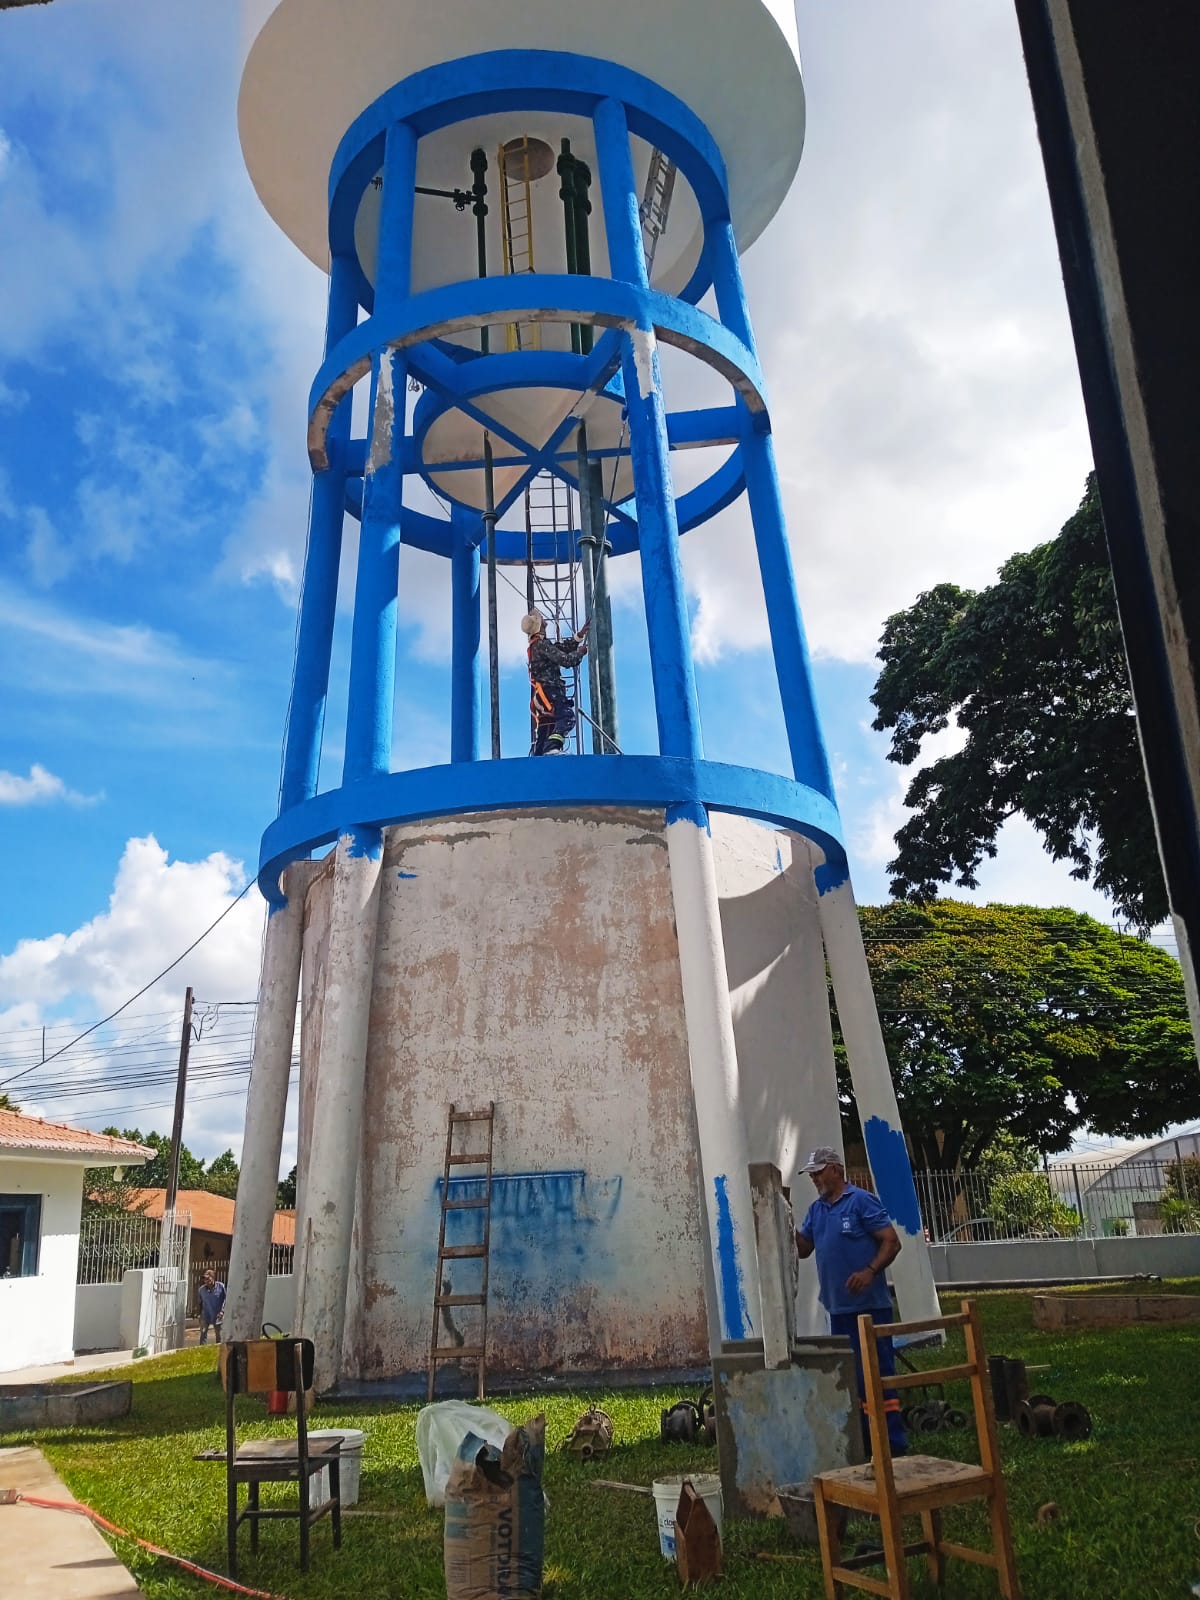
pixel 462 788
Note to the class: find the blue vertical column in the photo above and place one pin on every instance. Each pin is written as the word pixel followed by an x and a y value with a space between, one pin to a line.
pixel 373 640
pixel 318 595
pixel 789 644
pixel 465 700
pixel 674 680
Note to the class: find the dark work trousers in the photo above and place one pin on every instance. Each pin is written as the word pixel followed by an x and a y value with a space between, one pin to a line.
pixel 556 724
pixel 846 1323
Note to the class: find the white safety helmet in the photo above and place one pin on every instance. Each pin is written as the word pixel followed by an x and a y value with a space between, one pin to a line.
pixel 533 622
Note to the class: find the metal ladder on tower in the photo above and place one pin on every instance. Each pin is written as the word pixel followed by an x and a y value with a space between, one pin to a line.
pixel 516 233
pixel 552 586
pixel 656 204
pixel 444 1297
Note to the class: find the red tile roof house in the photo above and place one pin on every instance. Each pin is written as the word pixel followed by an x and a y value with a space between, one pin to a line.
pixel 41 1194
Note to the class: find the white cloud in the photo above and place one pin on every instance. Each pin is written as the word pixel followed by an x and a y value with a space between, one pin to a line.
pixel 123 1073
pixel 38 788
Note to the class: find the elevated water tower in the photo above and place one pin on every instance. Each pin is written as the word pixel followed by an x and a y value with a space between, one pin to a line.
pixel 518 204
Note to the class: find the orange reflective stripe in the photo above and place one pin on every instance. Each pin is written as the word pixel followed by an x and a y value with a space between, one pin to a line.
pixel 540 694
pixel 891 1405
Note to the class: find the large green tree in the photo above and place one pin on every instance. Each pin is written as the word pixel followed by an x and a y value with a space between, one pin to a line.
pixel 1032 1021
pixel 1033 671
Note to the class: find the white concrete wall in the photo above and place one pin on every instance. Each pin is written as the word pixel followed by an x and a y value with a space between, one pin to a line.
pixel 37 1315
pixel 137 1326
pixel 279 1306
pixel 1051 1260
pixel 775 959
pixel 97 1316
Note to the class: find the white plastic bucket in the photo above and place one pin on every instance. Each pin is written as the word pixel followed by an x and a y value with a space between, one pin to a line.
pixel 666 1503
pixel 351 1459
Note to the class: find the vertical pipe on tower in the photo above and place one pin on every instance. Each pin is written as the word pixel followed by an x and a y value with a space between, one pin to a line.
pixel 464 636
pixel 318 594
pixel 604 642
pixel 711 1051
pixel 373 637
pixel 789 643
pixel 587 560
pixel 330 1190
pixel 266 1108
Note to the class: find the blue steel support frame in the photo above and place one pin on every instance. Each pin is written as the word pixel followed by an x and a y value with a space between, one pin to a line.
pixel 405 333
pixel 465 690
pixel 675 706
pixel 789 642
pixel 371 706
pixel 322 557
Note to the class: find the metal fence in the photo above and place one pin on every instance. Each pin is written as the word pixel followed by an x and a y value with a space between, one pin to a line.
pixel 109 1247
pixel 280 1264
pixel 1076 1200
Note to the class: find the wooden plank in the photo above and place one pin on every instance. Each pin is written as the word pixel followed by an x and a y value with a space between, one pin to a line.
pixel 930 1325
pixel 462 1252
pixel 919 1380
pixel 468 1205
pixel 458 1352
pixel 460 1300
pixel 964 1552
pixel 860 1580
pixel 891 1524
pixel 470 1158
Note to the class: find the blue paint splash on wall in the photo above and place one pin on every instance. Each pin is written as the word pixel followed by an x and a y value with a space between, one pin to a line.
pixel 892 1171
pixel 733 1300
pixel 832 874
pixel 406 874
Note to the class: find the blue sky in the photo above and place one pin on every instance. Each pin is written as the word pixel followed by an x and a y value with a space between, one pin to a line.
pixel 157 339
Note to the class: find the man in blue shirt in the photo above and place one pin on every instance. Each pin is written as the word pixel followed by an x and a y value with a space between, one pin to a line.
pixel 212 1306
pixel 854 1242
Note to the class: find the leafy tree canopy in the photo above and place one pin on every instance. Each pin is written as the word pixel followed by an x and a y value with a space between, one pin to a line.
pixel 1026 1022
pixel 105 1192
pixel 7 1103
pixel 1033 671
pixel 285 1194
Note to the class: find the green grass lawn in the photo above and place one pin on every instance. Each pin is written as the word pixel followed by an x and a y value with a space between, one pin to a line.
pixel 1127 1497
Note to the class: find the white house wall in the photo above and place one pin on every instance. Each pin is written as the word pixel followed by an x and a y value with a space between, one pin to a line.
pixel 37 1315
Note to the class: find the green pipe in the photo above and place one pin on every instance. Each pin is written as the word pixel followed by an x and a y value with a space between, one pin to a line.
pixel 566 193
pixel 489 523
pixel 583 247
pixel 479 210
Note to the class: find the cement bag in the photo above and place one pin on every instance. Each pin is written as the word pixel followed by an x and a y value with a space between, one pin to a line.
pixel 440 1431
pixel 496 1518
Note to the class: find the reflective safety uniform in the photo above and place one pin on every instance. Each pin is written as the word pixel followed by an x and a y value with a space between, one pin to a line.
pixel 551 705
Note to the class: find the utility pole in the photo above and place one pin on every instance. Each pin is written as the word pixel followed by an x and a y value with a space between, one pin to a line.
pixel 185 1041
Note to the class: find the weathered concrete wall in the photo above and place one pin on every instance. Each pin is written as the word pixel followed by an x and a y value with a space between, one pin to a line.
pixel 532 959
pixel 37 1314
pixel 1059 1313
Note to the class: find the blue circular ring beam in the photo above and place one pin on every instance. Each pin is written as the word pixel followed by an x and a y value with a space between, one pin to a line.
pixel 521 80
pixel 656 782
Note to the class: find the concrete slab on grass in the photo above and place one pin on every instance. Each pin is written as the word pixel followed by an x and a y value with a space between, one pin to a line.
pixel 52 1555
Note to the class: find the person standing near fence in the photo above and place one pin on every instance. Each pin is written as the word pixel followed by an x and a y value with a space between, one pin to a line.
pixel 212 1306
pixel 854 1242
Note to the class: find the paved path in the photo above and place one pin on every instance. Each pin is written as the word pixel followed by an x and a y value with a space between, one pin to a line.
pixel 79 1368
pixel 52 1555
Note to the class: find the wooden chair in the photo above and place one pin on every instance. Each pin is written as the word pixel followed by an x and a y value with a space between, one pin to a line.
pixel 259 1366
pixel 893 1489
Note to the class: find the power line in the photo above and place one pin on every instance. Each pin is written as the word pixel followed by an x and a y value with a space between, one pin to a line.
pixel 146 986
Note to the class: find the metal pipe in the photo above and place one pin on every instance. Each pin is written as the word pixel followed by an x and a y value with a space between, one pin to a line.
pixel 566 193
pixel 479 210
pixel 583 248
pixel 587 558
pixel 603 612
pixel 489 523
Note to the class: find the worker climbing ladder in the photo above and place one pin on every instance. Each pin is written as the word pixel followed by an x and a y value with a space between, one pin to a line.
pixel 446 1300
pixel 516 233
pixel 551 585
pixel 656 204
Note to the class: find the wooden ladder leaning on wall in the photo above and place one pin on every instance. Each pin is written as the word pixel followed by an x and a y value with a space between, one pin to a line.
pixel 444 1297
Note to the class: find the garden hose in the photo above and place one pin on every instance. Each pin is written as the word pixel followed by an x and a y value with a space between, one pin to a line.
pixel 155 1550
